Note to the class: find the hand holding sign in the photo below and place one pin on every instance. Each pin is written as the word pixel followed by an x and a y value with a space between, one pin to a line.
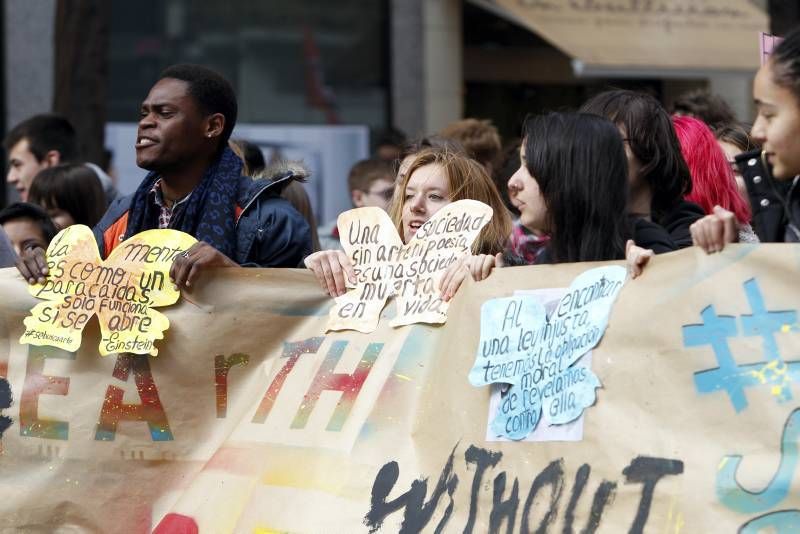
pixel 520 345
pixel 121 291
pixel 384 266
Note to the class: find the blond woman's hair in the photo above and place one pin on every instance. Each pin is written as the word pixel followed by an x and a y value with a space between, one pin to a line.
pixel 467 179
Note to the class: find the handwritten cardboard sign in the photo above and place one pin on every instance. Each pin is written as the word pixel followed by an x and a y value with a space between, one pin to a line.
pixel 121 291
pixel 522 345
pixel 411 272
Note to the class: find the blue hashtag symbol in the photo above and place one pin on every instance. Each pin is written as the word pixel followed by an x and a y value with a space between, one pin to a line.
pixel 731 377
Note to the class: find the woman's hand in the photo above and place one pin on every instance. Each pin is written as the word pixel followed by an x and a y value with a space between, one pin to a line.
pixel 637 258
pixel 479 266
pixel 713 232
pixel 331 267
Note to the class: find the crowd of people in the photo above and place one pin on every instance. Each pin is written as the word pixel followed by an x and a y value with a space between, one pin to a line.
pixel 622 177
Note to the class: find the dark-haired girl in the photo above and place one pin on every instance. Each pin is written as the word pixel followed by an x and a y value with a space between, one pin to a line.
pixel 571 184
pixel 71 194
pixel 776 90
pixel 657 173
pixel 734 140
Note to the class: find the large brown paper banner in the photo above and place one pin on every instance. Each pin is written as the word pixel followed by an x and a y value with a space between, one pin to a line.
pixel 252 420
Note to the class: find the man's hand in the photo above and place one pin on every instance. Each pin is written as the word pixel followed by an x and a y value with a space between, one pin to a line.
pixel 187 266
pixel 713 232
pixel 32 265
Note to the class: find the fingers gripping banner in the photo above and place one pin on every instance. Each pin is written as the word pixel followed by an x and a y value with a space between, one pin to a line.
pixel 252 419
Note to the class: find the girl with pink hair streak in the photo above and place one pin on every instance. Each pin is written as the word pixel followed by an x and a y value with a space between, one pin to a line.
pixel 713 181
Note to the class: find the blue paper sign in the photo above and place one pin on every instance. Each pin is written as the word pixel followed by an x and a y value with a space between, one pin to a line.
pixel 534 353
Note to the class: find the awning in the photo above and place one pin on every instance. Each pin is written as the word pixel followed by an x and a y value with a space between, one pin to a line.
pixel 682 38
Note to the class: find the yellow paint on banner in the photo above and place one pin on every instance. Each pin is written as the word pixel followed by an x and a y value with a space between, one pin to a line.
pixel 314 475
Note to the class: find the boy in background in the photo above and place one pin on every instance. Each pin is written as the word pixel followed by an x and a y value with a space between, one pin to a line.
pixel 371 183
pixel 27 226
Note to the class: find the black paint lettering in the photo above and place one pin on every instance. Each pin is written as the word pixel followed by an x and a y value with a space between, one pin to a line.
pixel 648 471
pixel 482 459
pixel 503 510
pixel 552 475
pixel 603 496
pixel 417 513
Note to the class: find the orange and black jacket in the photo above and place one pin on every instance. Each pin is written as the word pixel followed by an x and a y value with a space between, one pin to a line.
pixel 269 231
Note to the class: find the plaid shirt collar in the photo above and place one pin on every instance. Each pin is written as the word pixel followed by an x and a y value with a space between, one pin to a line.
pixel 165 212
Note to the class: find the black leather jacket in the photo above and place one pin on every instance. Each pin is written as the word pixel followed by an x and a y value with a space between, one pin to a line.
pixel 775 204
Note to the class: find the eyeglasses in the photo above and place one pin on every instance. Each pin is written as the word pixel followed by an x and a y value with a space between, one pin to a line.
pixel 385 194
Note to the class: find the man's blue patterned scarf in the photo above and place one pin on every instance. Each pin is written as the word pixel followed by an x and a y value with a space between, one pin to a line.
pixel 210 212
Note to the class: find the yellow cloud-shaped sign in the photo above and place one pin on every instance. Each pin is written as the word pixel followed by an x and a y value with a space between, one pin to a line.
pixel 122 291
